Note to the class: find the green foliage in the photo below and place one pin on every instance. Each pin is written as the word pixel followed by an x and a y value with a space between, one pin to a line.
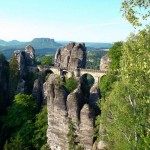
pixel 4 84
pixel 45 147
pixel 70 84
pixel 24 107
pixel 14 144
pixel 41 124
pixel 13 75
pixel 115 54
pixel 19 120
pixel 106 83
pixel 2 58
pixel 135 11
pixel 125 111
pixel 71 136
pixel 46 60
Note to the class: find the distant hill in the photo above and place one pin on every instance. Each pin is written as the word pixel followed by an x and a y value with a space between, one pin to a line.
pixel 10 43
pixel 99 45
pixel 42 46
pixel 92 45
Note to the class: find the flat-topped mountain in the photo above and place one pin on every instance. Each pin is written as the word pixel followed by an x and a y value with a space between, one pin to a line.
pixel 36 42
pixel 42 46
pixel 44 43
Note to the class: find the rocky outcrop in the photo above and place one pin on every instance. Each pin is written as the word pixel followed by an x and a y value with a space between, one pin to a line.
pixel 75 102
pixel 63 108
pixel 21 87
pixel 57 114
pixel 25 58
pixel 71 56
pixel 29 55
pixel 37 92
pixel 21 61
pixel 104 63
pixel 87 117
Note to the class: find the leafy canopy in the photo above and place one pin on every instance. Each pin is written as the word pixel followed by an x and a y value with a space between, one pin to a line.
pixel 135 11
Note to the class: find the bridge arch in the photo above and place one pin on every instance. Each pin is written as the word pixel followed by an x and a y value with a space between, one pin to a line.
pixel 88 79
pixel 97 74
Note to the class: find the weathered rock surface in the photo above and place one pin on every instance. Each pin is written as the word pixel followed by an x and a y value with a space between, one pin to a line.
pixel 71 56
pixel 87 117
pixel 105 60
pixel 29 55
pixel 21 61
pixel 57 114
pixel 37 92
pixel 62 109
pixel 94 94
pixel 21 88
pixel 25 58
pixel 74 104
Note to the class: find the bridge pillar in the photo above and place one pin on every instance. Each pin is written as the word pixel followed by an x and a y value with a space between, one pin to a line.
pixel 96 80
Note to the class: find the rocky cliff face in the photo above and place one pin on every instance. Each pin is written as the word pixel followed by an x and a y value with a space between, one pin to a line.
pixel 63 108
pixel 57 114
pixel 71 56
pixel 29 55
pixel 25 58
pixel 104 63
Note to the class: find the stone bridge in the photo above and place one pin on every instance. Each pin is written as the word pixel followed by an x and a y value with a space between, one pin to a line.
pixel 96 74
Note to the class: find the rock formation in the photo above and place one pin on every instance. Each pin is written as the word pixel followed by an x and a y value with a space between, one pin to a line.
pixel 29 55
pixel 37 92
pixel 21 61
pixel 25 58
pixel 57 114
pixel 71 56
pixel 105 60
pixel 86 126
pixel 21 88
pixel 63 108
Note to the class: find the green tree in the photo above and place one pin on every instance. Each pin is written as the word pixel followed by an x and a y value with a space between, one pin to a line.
pixel 71 135
pixel 70 84
pixel 41 124
pixel 135 11
pixel 13 75
pixel 2 58
pixel 46 60
pixel 125 111
pixel 106 84
pixel 19 120
pixel 115 54
pixel 4 70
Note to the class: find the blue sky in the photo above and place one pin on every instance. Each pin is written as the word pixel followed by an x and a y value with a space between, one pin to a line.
pixel 72 20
